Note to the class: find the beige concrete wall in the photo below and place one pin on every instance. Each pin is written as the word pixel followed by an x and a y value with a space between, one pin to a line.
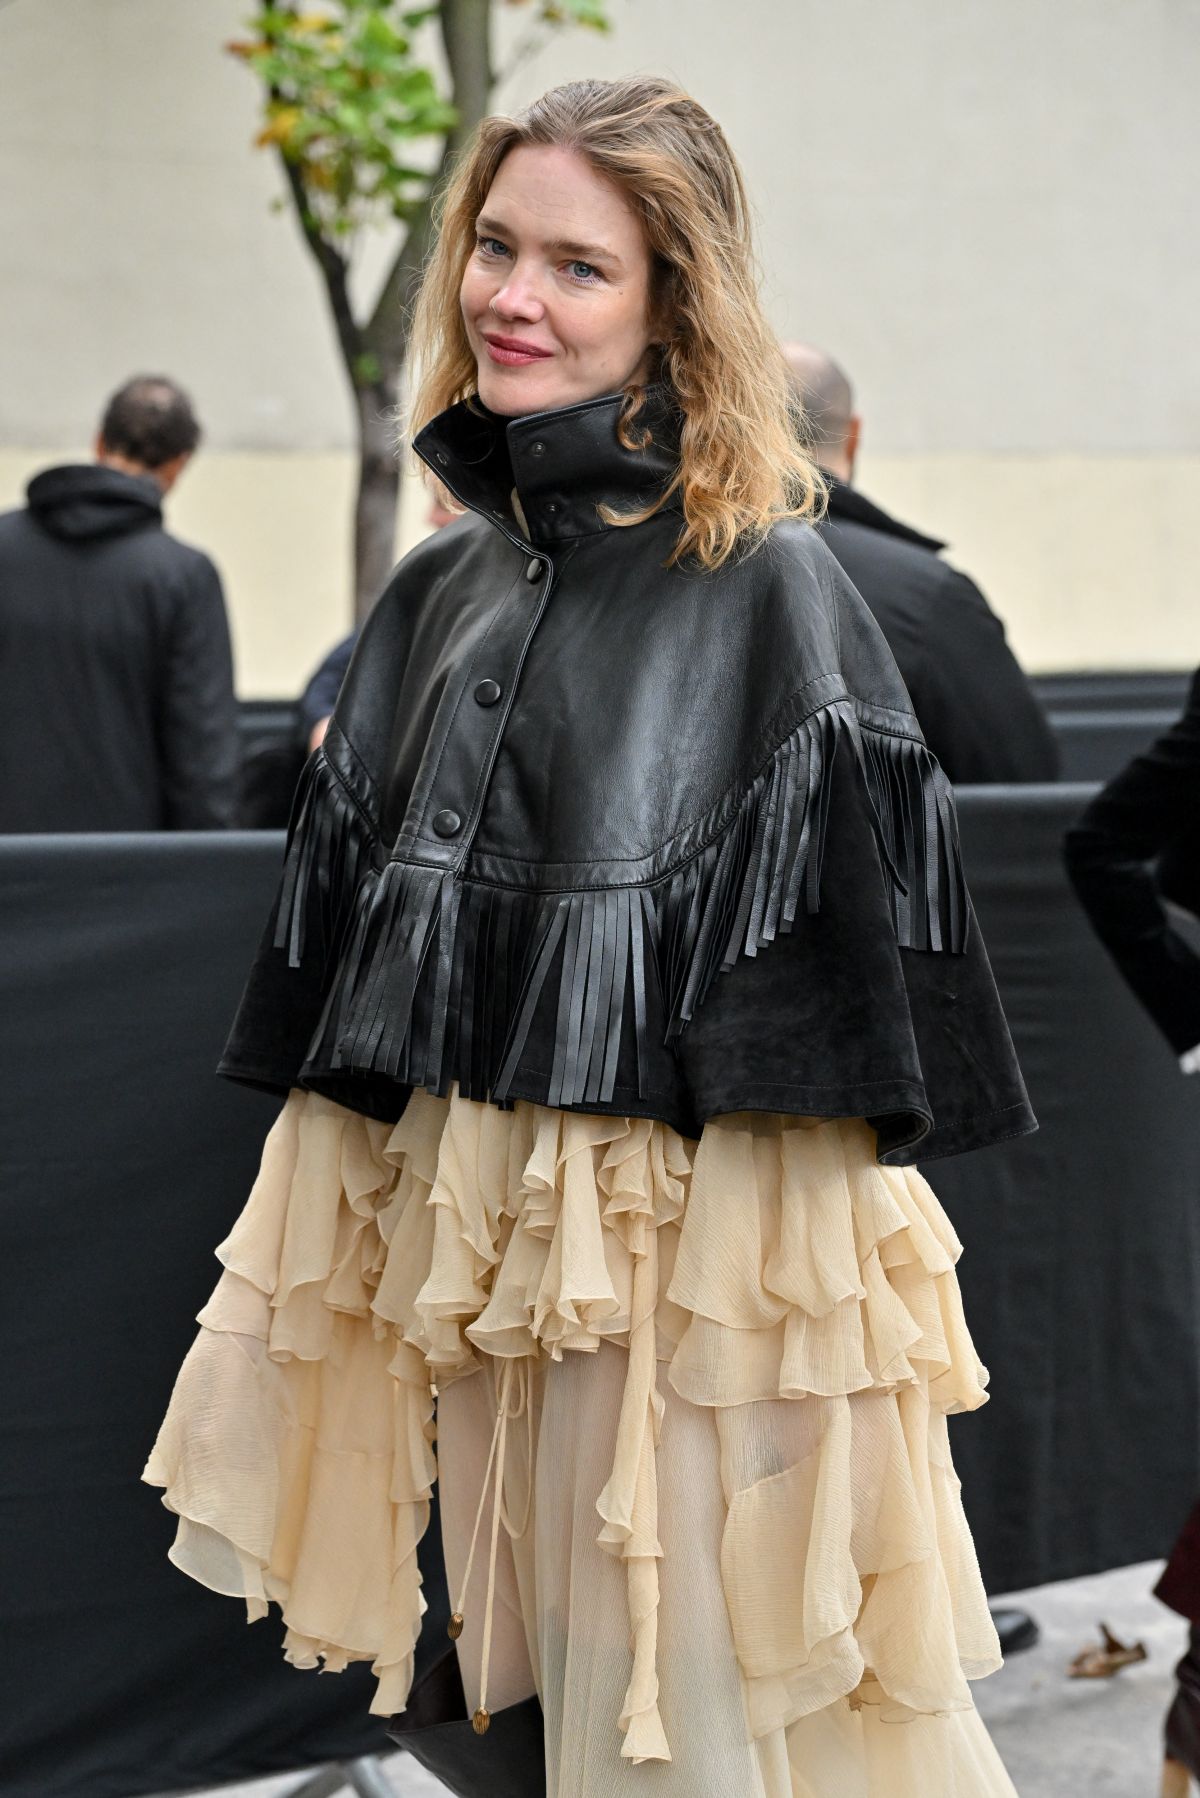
pixel 1090 561
pixel 980 209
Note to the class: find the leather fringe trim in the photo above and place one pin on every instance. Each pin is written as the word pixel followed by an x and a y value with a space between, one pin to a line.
pixel 917 832
pixel 430 979
pixel 608 939
pixel 440 980
pixel 768 863
pixel 329 848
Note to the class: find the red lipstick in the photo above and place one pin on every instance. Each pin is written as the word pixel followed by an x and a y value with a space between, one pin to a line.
pixel 512 352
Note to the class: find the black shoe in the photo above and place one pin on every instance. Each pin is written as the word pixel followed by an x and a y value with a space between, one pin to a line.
pixel 1016 1630
pixel 509 1761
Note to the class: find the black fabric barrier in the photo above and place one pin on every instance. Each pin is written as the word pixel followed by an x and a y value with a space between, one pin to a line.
pixel 1094 745
pixel 1103 719
pixel 125 1162
pixel 1114 690
pixel 1081 1276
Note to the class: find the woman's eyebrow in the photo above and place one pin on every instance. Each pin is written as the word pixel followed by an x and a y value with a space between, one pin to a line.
pixel 581 252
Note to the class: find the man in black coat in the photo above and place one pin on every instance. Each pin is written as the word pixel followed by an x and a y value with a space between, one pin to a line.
pixel 117 709
pixel 977 710
pixel 1138 842
pixel 1136 845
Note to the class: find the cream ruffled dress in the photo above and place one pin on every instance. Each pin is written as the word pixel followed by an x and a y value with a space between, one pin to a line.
pixel 691 1406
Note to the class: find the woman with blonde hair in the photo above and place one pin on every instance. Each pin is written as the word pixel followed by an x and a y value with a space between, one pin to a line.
pixel 621 969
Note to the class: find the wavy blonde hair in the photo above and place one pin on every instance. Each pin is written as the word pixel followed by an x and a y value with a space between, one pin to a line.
pixel 742 466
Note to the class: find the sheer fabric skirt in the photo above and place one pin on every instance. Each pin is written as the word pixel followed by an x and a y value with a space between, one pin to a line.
pixel 691 1405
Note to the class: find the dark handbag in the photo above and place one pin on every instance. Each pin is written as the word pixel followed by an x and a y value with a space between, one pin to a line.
pixel 508 1762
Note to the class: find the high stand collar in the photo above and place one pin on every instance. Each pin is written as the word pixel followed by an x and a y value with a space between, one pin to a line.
pixel 565 465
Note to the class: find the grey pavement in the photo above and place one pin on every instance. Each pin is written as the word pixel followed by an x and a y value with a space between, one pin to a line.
pixel 1085 1738
pixel 1059 1737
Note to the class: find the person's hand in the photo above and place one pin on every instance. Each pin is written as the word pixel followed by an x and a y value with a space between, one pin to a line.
pixel 316 735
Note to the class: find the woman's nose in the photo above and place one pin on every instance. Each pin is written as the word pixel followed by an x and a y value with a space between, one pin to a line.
pixel 519 297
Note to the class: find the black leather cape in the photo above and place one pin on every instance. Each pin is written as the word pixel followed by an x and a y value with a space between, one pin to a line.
pixel 622 837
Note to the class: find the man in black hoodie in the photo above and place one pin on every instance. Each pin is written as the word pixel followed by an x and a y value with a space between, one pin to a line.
pixel 978 712
pixel 116 680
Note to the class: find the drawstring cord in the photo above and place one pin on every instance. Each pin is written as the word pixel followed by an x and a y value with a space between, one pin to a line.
pixel 494 1477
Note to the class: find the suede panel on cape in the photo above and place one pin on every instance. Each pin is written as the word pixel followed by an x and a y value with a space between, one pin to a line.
pixel 615 836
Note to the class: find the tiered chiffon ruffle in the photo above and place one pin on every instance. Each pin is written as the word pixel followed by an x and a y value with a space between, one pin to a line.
pixel 773 1272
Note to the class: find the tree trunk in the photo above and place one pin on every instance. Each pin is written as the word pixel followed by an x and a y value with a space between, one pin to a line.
pixel 378 496
pixel 466 34
pixel 467 37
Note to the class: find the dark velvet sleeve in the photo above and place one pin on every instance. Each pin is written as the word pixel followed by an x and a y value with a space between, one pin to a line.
pixel 837 1019
pixel 1150 811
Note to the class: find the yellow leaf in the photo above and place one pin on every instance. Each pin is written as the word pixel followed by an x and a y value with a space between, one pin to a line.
pixel 279 126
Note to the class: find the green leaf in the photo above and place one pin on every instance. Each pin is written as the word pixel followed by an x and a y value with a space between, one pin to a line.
pixel 590 13
pixel 346 92
pixel 378 32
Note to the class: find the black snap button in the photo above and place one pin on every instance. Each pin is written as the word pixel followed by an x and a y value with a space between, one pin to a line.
pixel 487 692
pixel 537 449
pixel 535 569
pixel 447 824
pixel 552 505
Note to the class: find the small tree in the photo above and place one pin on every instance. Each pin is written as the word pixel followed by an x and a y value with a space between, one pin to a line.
pixel 348 94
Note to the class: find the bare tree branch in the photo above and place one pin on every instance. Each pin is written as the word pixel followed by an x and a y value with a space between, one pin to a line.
pixel 386 332
pixel 523 51
pixel 333 266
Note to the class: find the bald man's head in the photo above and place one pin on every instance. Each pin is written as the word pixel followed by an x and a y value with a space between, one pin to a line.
pixel 830 426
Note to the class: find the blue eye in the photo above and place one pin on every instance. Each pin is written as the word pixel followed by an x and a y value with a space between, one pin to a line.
pixel 582 271
pixel 491 246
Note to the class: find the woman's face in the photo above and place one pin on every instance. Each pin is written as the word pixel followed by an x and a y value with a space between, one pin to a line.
pixel 556 294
